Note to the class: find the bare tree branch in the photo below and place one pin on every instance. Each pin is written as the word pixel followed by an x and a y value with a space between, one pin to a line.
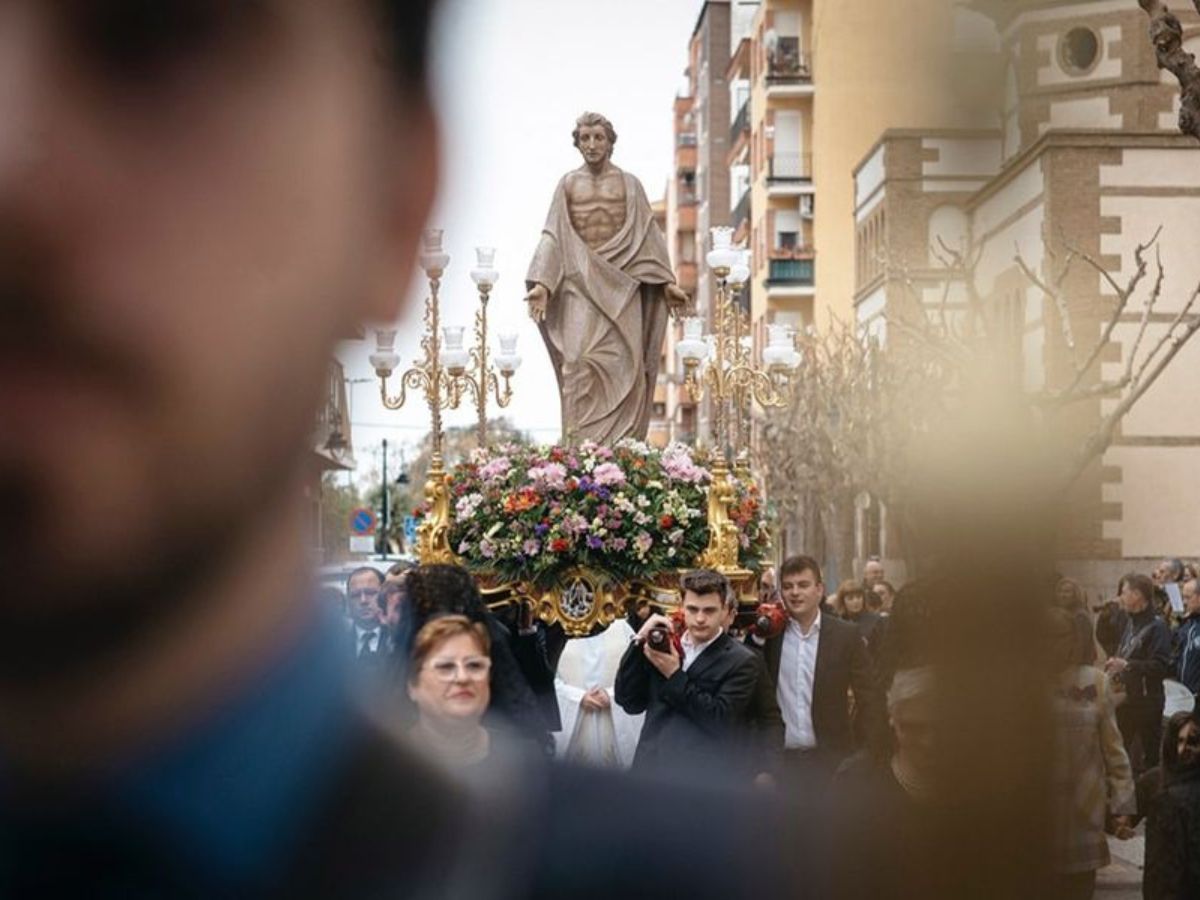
pixel 1166 34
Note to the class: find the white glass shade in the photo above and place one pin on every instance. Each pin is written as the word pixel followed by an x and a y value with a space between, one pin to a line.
pixel 722 255
pixel 484 274
pixel 433 259
pixel 385 359
pixel 508 341
pixel 739 273
pixel 507 363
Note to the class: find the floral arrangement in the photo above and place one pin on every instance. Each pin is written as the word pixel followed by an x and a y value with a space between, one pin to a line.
pixel 529 513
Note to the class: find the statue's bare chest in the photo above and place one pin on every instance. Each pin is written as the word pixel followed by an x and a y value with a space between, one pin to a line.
pixel 596 206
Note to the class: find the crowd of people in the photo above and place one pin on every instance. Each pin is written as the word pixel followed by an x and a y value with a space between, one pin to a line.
pixel 813 692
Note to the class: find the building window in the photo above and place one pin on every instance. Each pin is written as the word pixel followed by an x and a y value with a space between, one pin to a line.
pixel 1079 51
pixel 660 410
pixel 788 240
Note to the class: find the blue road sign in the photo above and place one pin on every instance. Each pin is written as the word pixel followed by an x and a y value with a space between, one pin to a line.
pixel 410 530
pixel 362 521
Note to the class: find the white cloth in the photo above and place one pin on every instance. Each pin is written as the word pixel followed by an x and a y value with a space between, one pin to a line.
pixel 691 650
pixel 595 737
pixel 797 668
pixel 372 643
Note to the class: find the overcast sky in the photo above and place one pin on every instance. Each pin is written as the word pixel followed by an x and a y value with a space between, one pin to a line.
pixel 512 77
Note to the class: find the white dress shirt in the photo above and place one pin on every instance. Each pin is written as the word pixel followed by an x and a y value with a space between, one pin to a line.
pixel 797 666
pixel 692 650
pixel 372 643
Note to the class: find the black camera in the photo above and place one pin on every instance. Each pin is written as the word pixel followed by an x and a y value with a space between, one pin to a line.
pixel 659 639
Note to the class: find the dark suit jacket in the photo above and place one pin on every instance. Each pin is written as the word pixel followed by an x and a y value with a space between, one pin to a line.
pixel 843 664
pixel 706 712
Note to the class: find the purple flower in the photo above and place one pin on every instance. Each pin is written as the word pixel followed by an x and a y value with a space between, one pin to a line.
pixel 585 483
pixel 540 529
pixel 595 543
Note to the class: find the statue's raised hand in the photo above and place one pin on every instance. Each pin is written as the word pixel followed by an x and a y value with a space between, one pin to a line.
pixel 678 301
pixel 537 298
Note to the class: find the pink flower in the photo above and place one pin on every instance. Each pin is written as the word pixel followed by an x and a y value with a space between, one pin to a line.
pixel 495 469
pixel 608 474
pixel 642 542
pixel 550 475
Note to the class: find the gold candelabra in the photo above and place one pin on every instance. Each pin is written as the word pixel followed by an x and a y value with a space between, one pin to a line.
pixel 722 365
pixel 442 377
pixel 483 380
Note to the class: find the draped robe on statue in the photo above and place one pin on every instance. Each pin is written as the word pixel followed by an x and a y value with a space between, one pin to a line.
pixel 606 318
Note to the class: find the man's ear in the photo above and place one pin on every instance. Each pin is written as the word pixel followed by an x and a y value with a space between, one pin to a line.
pixel 409 187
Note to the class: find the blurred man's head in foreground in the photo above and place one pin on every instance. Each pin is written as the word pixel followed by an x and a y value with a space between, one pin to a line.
pixel 197 201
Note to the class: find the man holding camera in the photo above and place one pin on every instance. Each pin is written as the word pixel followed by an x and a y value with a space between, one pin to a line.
pixel 696 687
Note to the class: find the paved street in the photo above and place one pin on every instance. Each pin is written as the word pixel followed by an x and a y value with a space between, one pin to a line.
pixel 1122 880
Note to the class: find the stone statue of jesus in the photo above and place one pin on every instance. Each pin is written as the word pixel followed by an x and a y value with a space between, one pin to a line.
pixel 600 288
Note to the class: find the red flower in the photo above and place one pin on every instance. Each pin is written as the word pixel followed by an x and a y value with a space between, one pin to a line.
pixel 666 521
pixel 560 545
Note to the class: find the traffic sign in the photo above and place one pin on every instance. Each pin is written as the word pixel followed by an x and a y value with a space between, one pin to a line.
pixel 362 521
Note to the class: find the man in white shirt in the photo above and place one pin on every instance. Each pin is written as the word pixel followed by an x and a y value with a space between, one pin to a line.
pixel 815 663
pixel 698 695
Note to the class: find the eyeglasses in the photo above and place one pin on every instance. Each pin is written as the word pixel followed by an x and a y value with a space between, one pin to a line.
pixel 474 668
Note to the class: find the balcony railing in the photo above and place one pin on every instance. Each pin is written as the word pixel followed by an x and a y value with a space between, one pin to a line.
pixel 788 67
pixel 790 272
pixel 741 212
pixel 741 123
pixel 791 167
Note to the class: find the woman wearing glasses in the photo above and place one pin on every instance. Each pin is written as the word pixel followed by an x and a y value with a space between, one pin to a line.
pixel 448 681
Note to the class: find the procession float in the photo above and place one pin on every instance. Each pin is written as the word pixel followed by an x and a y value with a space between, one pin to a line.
pixel 581 530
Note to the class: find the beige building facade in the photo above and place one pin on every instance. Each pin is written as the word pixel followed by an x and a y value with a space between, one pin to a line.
pixel 1084 150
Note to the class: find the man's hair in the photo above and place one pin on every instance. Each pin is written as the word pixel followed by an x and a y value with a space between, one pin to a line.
pixel 1135 581
pixel 399 568
pixel 385 593
pixel 794 565
pixel 706 581
pixel 891 588
pixel 362 570
pixel 591 118
pixel 437 632
pixel 405 25
pixel 1176 567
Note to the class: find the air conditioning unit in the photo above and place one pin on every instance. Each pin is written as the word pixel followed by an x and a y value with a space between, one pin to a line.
pixel 806 206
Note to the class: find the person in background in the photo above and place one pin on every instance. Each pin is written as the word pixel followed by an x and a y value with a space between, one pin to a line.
pixel 1070 596
pixel 1142 661
pixel 1091 778
pixel 850 605
pixel 397 571
pixel 887 801
pixel 768 586
pixel 1170 799
pixel 595 731
pixel 1111 620
pixel 1168 577
pixel 873 572
pixel 814 665
pixel 369 642
pixel 448 675
pixel 1187 638
pixel 885 594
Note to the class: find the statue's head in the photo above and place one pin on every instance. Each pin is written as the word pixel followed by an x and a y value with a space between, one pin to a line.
pixel 594 137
